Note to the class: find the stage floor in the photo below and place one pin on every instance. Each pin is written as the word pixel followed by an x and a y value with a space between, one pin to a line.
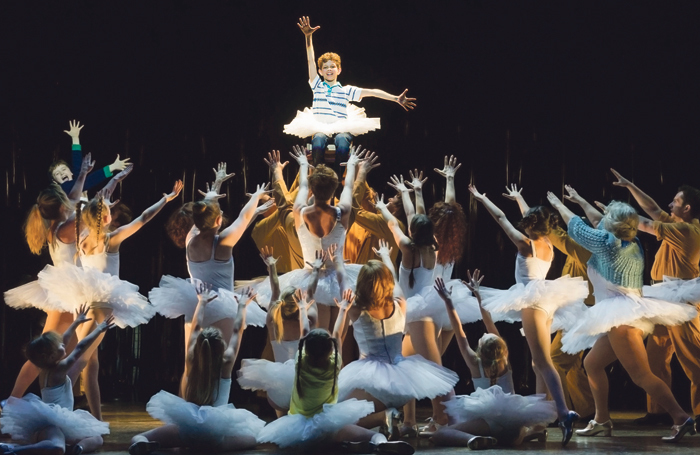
pixel 129 419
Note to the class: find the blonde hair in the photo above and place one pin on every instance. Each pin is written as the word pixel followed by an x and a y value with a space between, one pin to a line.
pixel 90 214
pixel 205 372
pixel 492 350
pixel 42 350
pixel 375 286
pixel 621 220
pixel 285 309
pixel 46 210
pixel 332 56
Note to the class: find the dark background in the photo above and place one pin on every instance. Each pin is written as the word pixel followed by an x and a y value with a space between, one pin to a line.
pixel 536 93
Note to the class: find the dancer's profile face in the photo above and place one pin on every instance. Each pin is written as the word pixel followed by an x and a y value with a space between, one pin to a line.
pixel 62 174
pixel 329 71
pixel 677 206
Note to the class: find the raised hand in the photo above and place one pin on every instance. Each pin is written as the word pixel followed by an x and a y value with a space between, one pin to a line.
pixel 211 193
pixel 384 249
pixel 273 161
pixel 204 292
pixel 119 165
pixel 105 325
pixel 299 154
pixel 355 155
pixel 554 200
pixel 87 164
pixel 573 195
pixel 512 192
pixel 444 293
pixel 473 283
pixel 621 181
pixel 267 205
pixel 379 204
pixel 177 187
pixel 450 167
pixel 406 102
pixel 262 188
pixel 601 206
pixel 220 175
pixel 247 295
pixel 347 300
pixel 266 254
pixel 124 173
pixel 478 196
pixel 299 298
pixel 417 180
pixel 398 183
pixel 331 251
pixel 106 195
pixel 370 162
pixel 81 314
pixel 319 260
pixel 74 130
pixel 305 26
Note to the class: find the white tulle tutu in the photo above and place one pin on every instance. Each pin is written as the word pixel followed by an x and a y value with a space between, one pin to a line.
pixel 23 417
pixel 175 297
pixel 305 124
pixel 275 378
pixel 30 295
pixel 504 412
pixel 203 425
pixel 395 384
pixel 69 287
pixel 561 298
pixel 327 289
pixel 673 290
pixel 295 429
pixel 427 304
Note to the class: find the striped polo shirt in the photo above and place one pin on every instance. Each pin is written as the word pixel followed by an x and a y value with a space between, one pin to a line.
pixel 331 101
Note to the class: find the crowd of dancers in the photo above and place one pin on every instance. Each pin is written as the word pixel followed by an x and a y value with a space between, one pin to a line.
pixel 339 255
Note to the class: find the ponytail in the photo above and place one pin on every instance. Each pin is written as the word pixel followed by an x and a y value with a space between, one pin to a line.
pixel 36 230
pixel 299 360
pixel 78 214
pixel 278 325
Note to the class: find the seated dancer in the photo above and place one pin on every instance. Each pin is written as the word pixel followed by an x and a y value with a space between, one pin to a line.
pixel 542 305
pixel 615 327
pixel 493 414
pixel 50 425
pixel 331 112
pixel 676 263
pixel 204 418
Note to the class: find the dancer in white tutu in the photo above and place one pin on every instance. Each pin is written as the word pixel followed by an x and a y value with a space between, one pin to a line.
pixel 319 225
pixel 49 425
pixel 382 374
pixel 315 415
pixel 493 413
pixel 621 317
pixel 331 112
pixel 204 418
pixel 291 314
pixel 536 301
pixel 51 221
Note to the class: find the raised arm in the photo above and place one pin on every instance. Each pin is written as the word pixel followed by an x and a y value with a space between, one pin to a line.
pixel 566 214
pixel 300 202
pixel 204 296
pixel 366 165
pixel 230 236
pixel 266 253
pixel 402 187
pixel 399 237
pixel 645 201
pixel 70 362
pixel 342 319
pixel 468 353
pixel 234 343
pixel 473 283
pixel 114 181
pixel 279 188
pixel 308 30
pixel 124 232
pixel 77 190
pixel 594 240
pixel 384 253
pixel 449 171
pixel 515 236
pixel 316 265
pixel 403 100
pixel 303 305
pixel 345 203
pixel 80 318
pixel 514 194
pixel 593 215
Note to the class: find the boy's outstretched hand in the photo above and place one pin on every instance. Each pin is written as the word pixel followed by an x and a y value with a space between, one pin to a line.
pixel 305 26
pixel 406 102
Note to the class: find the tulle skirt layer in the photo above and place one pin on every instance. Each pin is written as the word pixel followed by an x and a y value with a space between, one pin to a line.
pixel 562 299
pixel 305 124
pixel 70 287
pixel 295 429
pixel 23 417
pixel 396 383
pixel 31 295
pixel 203 425
pixel 504 412
pixel 671 290
pixel 275 378
pixel 326 290
pixel 427 304
pixel 175 297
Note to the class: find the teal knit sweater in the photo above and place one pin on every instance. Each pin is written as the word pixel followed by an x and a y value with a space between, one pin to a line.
pixel 618 261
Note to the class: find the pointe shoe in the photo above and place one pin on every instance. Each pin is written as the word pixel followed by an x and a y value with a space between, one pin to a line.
pixel 481 442
pixel 540 436
pixel 593 428
pixel 427 431
pixel 678 431
pixel 567 427
pixel 143 447
pixel 392 418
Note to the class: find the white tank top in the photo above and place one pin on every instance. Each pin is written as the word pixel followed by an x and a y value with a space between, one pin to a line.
pixel 532 268
pixel 61 395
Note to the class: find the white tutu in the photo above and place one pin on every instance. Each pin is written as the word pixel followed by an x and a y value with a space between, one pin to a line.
pixel 30 295
pixel 69 287
pixel 275 378
pixel 327 288
pixel 427 304
pixel 295 429
pixel 504 412
pixel 395 384
pixel 672 290
pixel 203 425
pixel 632 310
pixel 175 297
pixel 561 298
pixel 305 124
pixel 23 417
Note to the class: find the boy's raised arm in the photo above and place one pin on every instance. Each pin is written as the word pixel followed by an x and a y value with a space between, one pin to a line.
pixel 405 102
pixel 308 30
